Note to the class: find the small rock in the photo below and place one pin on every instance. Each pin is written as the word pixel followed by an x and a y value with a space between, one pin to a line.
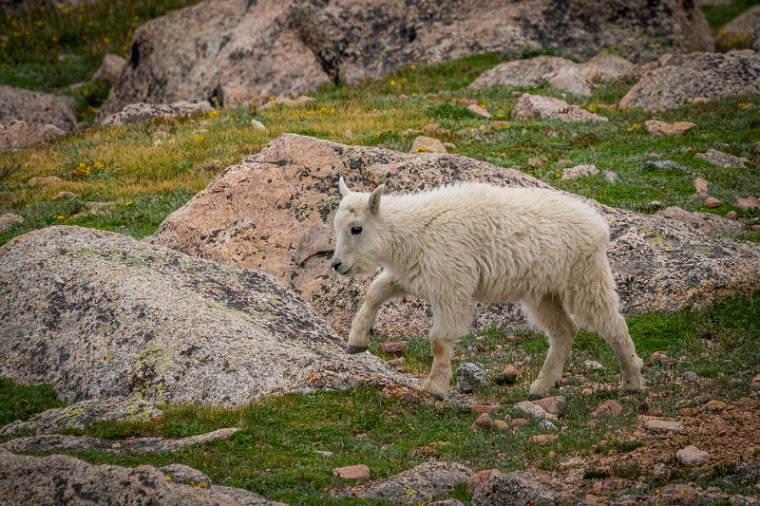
pixel 552 405
pixel 722 159
pixel 288 102
pixel 748 402
pixel 485 408
pixel 508 376
pixel 579 171
pixel 479 479
pixel 663 165
pixel 660 358
pixel 449 145
pixel 394 347
pixel 712 202
pixel 533 410
pixel 608 409
pixel 500 424
pixel 535 162
pixel 658 128
pixel 44 181
pixel 9 220
pixel 471 377
pixel 479 111
pixel 692 456
pixel 715 406
pixel 110 69
pixel 547 425
pixel 700 186
pixel 690 376
pixel 748 202
pixel 323 453
pixel 663 426
pixel 731 215
pixel 424 144
pixel 611 177
pixel 593 365
pixel 180 473
pixel 446 502
pixel 483 422
pixel 431 128
pixel 544 438
pixel 358 472
pixel 257 125
pixel 535 106
pixel 65 195
pixel 397 363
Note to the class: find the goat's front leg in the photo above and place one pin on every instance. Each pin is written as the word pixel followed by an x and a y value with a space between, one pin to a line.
pixel 449 325
pixel 384 287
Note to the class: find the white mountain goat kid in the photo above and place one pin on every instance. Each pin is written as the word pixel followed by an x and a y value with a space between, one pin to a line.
pixel 493 244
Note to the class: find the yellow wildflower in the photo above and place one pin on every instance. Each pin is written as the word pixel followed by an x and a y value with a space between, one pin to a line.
pixel 98 164
pixel 393 82
pixel 60 217
pixel 198 137
pixel 421 149
pixel 213 114
pixel 129 203
pixel 412 67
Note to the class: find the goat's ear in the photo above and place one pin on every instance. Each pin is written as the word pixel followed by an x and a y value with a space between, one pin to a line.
pixel 343 188
pixel 374 199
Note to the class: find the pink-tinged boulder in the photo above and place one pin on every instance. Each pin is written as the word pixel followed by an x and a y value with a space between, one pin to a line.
pixel 359 472
pixel 608 409
pixel 273 213
pixel 20 134
pixel 240 50
pixel 708 76
pixel 33 107
pixel 539 107
pixel 706 223
pixel 658 128
pixel 552 405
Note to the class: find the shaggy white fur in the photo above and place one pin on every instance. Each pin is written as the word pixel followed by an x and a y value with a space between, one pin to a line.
pixel 476 241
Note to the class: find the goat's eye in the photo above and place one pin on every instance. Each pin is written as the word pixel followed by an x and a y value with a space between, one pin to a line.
pixel 356 230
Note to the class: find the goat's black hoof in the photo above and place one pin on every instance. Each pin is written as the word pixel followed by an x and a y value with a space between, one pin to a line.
pixel 535 397
pixel 355 349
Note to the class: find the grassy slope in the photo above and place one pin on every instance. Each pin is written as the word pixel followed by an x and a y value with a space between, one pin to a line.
pixel 143 172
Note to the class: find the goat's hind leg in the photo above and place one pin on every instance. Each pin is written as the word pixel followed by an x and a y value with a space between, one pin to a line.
pixel 550 315
pixel 449 325
pixel 383 287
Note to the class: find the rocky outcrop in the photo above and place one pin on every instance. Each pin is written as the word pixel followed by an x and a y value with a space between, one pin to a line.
pixel 740 30
pixel 99 315
pixel 273 212
pixel 60 479
pixel 20 134
pixel 238 50
pixel 540 107
pixel 560 73
pixel 37 108
pixel 708 76
pixel 134 113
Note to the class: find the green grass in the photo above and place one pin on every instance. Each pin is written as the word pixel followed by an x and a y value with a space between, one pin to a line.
pixel 20 402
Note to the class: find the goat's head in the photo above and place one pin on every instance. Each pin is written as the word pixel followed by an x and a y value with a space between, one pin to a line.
pixel 357 232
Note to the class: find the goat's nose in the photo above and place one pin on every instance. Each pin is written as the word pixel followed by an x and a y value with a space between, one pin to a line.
pixel 335 265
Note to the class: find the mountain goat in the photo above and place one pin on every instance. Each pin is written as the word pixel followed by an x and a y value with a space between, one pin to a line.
pixel 494 244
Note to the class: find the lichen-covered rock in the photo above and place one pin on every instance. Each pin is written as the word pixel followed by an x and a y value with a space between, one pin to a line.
pixel 419 485
pixel 110 69
pixel 20 134
pixel 134 113
pixel 100 315
pixel 35 107
pixel 273 212
pixel 540 107
pixel 521 488
pixel 740 30
pixel 708 76
pixel 240 50
pixel 60 479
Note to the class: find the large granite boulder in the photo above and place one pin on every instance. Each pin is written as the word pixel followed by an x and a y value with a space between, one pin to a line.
pixel 273 213
pixel 708 76
pixel 99 315
pixel 239 50
pixel 60 479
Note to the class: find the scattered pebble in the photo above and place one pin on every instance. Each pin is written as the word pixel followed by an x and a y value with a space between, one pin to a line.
pixel 500 424
pixel 700 186
pixel 533 410
pixel 471 377
pixel 544 438
pixel 476 109
pixel 547 425
pixel 690 376
pixel 535 162
pixel 593 365
pixel 608 409
pixel 692 456
pixel 486 408
pixel 552 405
pixel 722 159
pixel 508 376
pixel 712 202
pixel 397 363
pixel 661 358
pixel 715 406
pixel 44 181
pixel 358 472
pixel 10 220
pixel 579 171
pixel 477 480
pixel 323 453
pixel 483 422
pixel 611 177
pixel 748 202
pixel 663 426
pixel 257 125
pixel 394 347
pixel 423 144
pixel 519 422
pixel 658 128
pixel 731 215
